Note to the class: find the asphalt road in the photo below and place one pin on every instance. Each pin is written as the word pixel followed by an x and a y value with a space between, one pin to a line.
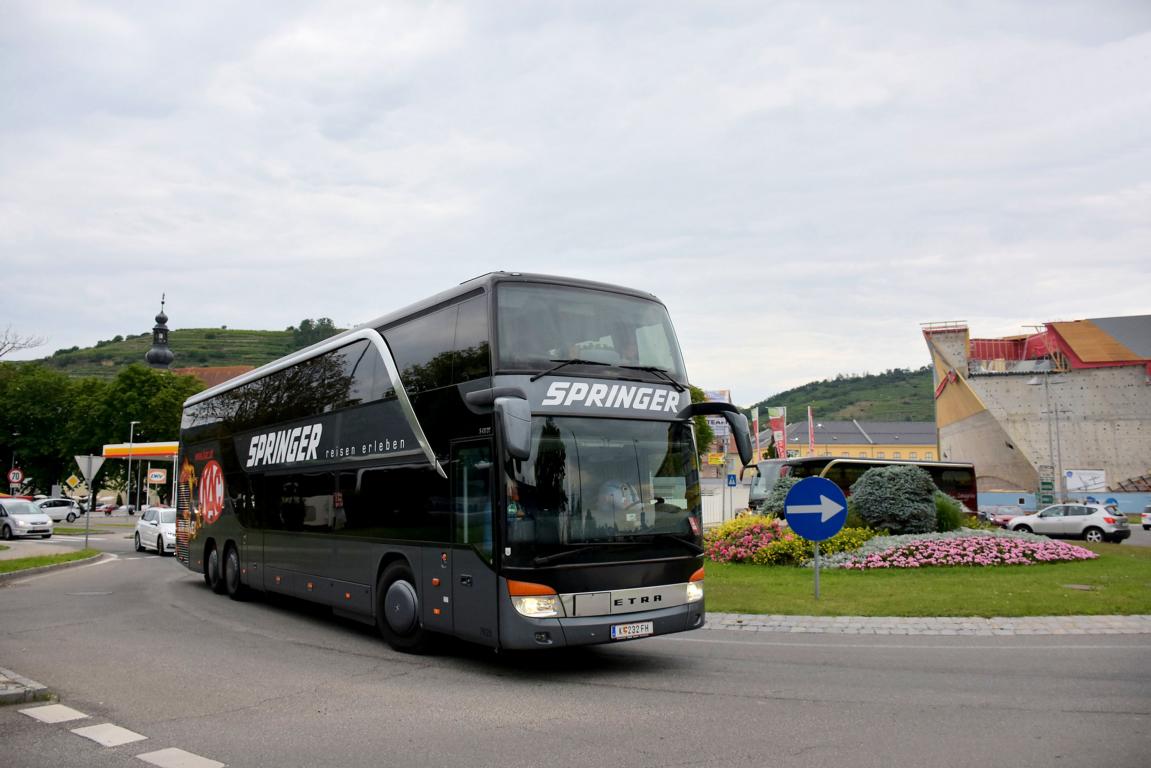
pixel 140 642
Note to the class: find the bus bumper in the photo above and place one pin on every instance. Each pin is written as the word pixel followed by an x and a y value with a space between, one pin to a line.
pixel 518 632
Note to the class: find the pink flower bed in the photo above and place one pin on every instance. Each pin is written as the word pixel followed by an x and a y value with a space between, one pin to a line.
pixel 741 545
pixel 971 550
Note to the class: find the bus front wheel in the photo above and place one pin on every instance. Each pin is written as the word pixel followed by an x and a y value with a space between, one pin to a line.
pixel 398 609
pixel 232 581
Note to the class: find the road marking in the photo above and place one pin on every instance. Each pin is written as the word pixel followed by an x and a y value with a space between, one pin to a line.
pixel 68 537
pixel 108 735
pixel 53 713
pixel 178 758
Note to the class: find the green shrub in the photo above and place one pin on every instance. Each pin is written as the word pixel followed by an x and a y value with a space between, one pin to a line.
pixel 854 519
pixel 773 504
pixel 790 549
pixel 948 513
pixel 899 499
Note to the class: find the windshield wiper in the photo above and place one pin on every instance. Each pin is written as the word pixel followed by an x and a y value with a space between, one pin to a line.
pixel 691 545
pixel 662 372
pixel 545 559
pixel 562 363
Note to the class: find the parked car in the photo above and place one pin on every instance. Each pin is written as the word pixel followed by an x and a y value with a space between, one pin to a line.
pixel 156 529
pixel 1145 517
pixel 59 509
pixel 19 517
pixel 1001 515
pixel 1090 522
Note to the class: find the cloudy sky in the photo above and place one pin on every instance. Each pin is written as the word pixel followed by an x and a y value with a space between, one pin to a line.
pixel 802 183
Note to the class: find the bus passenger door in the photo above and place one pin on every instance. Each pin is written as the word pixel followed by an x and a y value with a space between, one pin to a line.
pixel 474 586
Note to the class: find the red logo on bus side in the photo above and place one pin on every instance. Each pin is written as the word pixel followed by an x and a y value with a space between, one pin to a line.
pixel 211 492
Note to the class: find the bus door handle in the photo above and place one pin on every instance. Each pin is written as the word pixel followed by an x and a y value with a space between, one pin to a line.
pixel 466 580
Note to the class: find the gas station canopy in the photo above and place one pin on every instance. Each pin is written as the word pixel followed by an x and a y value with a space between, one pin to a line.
pixel 166 451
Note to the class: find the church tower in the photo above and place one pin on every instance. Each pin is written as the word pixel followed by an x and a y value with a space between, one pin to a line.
pixel 159 356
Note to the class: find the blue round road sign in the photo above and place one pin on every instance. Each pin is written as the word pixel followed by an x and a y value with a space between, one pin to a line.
pixel 816 509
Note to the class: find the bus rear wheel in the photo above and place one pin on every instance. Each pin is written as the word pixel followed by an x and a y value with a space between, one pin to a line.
pixel 212 575
pixel 398 609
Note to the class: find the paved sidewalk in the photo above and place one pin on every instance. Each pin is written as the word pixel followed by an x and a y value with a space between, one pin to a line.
pixel 957 625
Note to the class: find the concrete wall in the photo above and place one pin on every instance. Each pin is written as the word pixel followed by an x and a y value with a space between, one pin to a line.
pixel 1096 418
pixel 1099 418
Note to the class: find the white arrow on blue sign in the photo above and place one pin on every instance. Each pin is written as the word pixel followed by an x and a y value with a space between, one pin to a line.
pixel 816 508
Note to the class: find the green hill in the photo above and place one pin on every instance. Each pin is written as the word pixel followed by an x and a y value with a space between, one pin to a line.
pixel 899 394
pixel 193 347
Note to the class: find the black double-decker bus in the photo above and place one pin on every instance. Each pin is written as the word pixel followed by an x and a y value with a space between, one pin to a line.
pixel 510 462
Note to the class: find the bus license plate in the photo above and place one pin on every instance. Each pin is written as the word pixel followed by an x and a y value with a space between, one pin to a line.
pixel 628 631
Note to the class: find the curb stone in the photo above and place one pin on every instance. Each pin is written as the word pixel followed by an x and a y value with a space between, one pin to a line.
pixel 943 625
pixel 13 575
pixel 15 689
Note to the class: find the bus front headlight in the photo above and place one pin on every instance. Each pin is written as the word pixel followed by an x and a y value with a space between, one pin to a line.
pixel 536 601
pixel 695 587
pixel 539 606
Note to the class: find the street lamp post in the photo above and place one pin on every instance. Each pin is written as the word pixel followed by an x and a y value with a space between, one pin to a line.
pixel 128 490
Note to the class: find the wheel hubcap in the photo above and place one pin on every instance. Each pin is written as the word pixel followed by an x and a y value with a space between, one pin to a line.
pixel 401 607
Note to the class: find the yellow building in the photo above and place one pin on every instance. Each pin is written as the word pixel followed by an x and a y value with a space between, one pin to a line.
pixel 906 440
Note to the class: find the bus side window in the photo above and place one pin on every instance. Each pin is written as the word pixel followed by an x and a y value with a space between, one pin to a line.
pixel 472 348
pixel 423 349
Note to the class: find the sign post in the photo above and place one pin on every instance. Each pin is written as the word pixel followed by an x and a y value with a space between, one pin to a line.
pixel 816 509
pixel 89 466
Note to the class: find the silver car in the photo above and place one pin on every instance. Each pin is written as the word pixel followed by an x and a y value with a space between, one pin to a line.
pixel 156 530
pixel 19 517
pixel 59 509
pixel 1090 522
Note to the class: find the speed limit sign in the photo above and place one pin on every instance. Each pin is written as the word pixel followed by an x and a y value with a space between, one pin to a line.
pixel 15 476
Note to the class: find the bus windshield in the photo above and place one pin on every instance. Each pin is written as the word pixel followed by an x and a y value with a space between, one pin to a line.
pixel 593 484
pixel 542 324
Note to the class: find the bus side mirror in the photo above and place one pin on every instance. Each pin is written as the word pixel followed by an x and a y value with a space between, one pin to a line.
pixel 751 469
pixel 739 429
pixel 516 420
pixel 729 412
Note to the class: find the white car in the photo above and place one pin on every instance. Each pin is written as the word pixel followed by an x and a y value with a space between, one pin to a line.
pixel 19 517
pixel 1090 522
pixel 156 529
pixel 59 509
pixel 1145 517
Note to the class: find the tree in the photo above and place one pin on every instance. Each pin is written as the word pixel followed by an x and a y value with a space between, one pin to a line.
pixel 704 434
pixel 10 341
pixel 311 331
pixel 33 413
pixel 46 418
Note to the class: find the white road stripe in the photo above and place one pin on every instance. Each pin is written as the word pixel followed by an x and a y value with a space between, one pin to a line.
pixel 178 758
pixel 108 735
pixel 53 713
